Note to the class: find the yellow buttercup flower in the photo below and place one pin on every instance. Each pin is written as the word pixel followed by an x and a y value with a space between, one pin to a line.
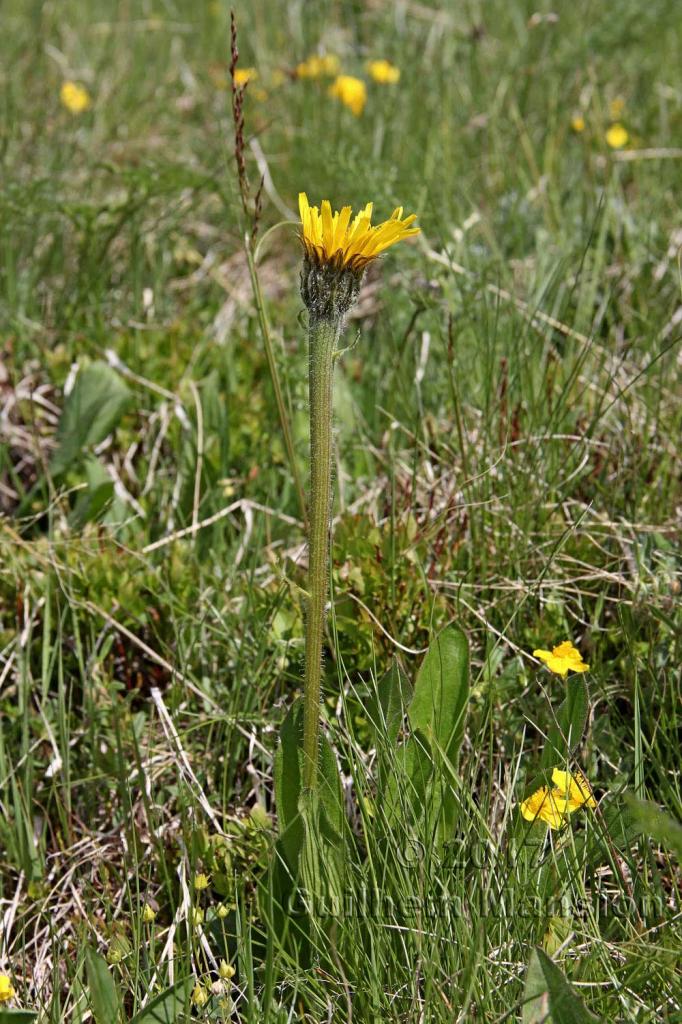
pixel 244 75
pixel 578 123
pixel 75 98
pixel 617 136
pixel 6 990
pixel 351 91
pixel 383 71
pixel 335 239
pixel 562 659
pixel 543 805
pixel 201 881
pixel 574 788
pixel 317 67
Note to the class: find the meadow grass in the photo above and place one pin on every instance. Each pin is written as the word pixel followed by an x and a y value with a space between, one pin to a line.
pixel 507 455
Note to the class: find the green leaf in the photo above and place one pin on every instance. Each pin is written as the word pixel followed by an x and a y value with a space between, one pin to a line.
pixel 104 999
pixel 288 771
pixel 17 1016
pixel 535 994
pixel 387 708
pixel 654 822
pixel 441 693
pixel 91 411
pixel 166 1007
pixel 565 1005
pixel 91 501
pixel 567 732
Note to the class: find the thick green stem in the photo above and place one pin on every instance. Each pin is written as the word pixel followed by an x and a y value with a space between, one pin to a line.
pixel 323 336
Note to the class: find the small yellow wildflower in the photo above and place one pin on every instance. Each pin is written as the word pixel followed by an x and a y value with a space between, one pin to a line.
pixel 542 805
pixel 197 916
pixel 337 240
pixel 148 914
pixel 383 71
pixel 199 995
pixel 562 659
pixel 317 67
pixel 226 971
pixel 6 990
pixel 222 911
pixel 616 108
pixel 244 75
pixel 574 788
pixel 201 881
pixel 351 91
pixel 75 98
pixel 578 124
pixel 617 136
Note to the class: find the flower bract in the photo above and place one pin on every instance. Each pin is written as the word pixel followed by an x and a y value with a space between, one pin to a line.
pixel 562 659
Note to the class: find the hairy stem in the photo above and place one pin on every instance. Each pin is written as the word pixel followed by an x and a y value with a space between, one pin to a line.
pixel 323 335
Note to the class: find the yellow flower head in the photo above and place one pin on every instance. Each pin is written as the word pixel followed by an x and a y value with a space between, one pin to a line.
pixel 617 136
pixel 244 75
pixel 351 91
pixel 574 788
pixel 6 990
pixel 201 881
pixel 75 98
pixel 336 240
pixel 578 124
pixel 562 659
pixel 552 808
pixel 317 67
pixel 383 71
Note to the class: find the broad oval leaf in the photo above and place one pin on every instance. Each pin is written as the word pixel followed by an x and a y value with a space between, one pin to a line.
pixel 441 693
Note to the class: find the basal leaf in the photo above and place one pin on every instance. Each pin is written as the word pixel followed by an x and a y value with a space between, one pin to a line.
pixel 91 411
pixel 441 693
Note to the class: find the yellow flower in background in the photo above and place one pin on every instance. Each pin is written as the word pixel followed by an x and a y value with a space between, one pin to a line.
pixel 201 881
pixel 74 97
pixel 148 914
pixel 384 72
pixel 6 990
pixel 574 788
pixel 337 240
pixel 351 91
pixel 317 67
pixel 578 123
pixel 616 108
pixel 562 659
pixel 551 808
pixel 199 995
pixel 244 75
pixel 226 971
pixel 617 136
